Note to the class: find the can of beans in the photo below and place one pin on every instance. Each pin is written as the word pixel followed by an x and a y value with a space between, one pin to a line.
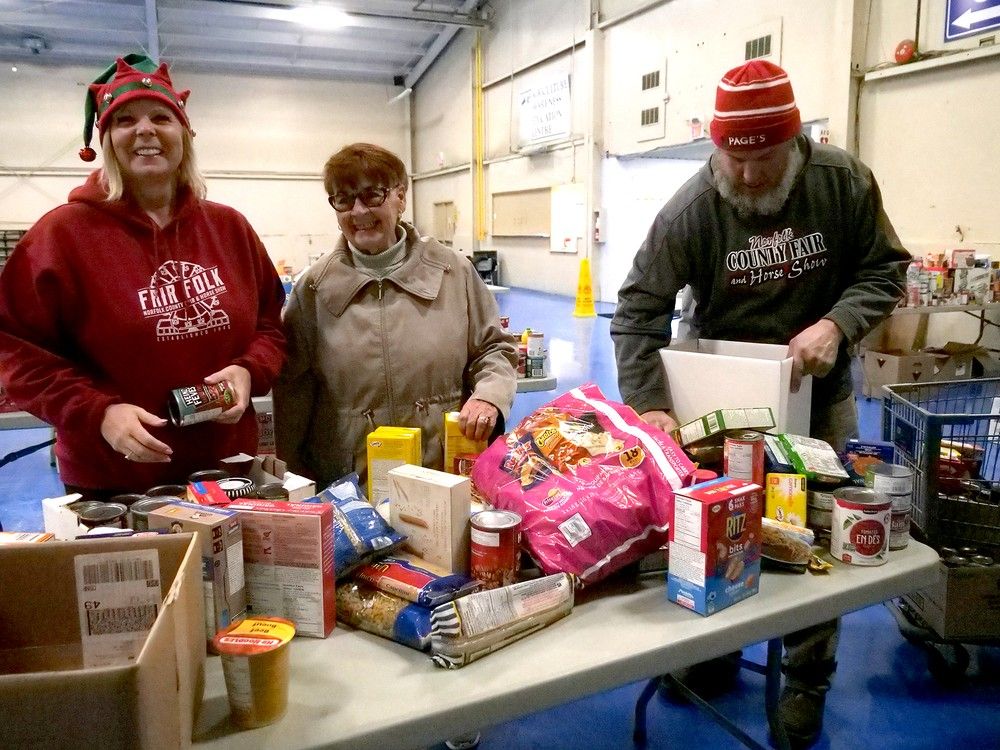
pixel 208 475
pixel 743 456
pixel 860 526
pixel 495 547
pixel 168 490
pixel 505 322
pixel 199 403
pixel 522 360
pixel 111 515
pixel 536 344
pixel 271 491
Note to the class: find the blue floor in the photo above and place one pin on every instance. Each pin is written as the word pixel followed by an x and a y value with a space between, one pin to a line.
pixel 883 696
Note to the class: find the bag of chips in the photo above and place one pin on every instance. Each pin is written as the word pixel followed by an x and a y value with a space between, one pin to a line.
pixel 592 482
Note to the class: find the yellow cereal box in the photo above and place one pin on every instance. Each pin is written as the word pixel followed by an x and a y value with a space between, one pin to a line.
pixel 786 498
pixel 389 447
pixel 456 444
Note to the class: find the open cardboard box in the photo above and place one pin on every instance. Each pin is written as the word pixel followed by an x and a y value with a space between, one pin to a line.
pixel 266 469
pixel 704 375
pixel 49 697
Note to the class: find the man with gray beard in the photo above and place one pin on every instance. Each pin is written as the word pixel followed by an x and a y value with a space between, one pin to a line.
pixel 782 241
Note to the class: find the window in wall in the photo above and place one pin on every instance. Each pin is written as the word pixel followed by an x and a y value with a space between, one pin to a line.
pixel 651 80
pixel 445 218
pixel 8 238
pixel 650 116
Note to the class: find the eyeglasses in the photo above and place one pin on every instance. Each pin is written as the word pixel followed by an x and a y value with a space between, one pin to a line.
pixel 372 197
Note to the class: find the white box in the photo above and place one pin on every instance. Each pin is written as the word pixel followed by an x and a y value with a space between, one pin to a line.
pixel 704 375
pixel 432 508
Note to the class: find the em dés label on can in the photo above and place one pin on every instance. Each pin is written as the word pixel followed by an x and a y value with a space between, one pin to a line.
pixel 199 403
pixel 861 524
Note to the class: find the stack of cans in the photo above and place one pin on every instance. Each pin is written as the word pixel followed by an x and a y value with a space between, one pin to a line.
pixel 896 483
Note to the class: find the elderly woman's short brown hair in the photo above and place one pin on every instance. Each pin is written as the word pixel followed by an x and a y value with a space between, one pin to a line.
pixel 363 161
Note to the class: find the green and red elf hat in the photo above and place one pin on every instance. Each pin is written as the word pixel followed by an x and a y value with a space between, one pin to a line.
pixel 134 76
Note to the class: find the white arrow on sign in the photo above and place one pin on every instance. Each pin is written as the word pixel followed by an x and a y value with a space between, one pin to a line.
pixel 970 17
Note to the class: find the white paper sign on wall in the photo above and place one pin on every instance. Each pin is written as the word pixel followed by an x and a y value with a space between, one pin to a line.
pixel 545 111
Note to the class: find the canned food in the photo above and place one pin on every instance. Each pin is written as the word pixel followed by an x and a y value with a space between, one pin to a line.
pixel 271 491
pixel 236 487
pixel 495 547
pixel 956 561
pixel 208 475
pixel 899 527
pixel 109 515
pixel 743 456
pixel 701 475
pixel 947 551
pixel 200 403
pixel 82 505
pixel 981 561
pixel 534 367
pixel 522 360
pixel 860 525
pixel 175 491
pixel 139 512
pixel 128 499
pixel 890 479
pixel 505 322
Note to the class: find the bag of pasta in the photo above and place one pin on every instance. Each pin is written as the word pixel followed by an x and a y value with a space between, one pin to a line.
pixel 593 484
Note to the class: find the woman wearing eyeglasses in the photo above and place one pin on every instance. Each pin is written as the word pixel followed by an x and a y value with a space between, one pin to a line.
pixel 390 328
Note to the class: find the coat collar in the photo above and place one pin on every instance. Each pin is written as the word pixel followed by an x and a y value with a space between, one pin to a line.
pixel 421 274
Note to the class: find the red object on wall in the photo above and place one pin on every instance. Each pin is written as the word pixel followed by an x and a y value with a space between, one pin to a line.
pixel 906 51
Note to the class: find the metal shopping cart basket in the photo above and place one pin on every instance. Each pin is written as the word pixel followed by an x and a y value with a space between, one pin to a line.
pixel 948 433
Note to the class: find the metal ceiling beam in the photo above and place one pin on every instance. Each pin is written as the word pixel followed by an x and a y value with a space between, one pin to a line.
pixel 462 19
pixel 152 31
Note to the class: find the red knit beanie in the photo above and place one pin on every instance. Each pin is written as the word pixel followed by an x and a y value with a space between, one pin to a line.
pixel 754 108
pixel 134 76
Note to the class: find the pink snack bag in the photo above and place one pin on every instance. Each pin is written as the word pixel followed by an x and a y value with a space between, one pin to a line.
pixel 593 483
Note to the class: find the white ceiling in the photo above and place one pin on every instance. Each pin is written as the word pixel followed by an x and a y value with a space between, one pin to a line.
pixel 386 41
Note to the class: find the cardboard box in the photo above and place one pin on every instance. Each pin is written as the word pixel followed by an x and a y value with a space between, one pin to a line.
pixel 715 544
pixel 953 361
pixel 963 602
pixel 433 509
pixel 52 691
pixel 704 375
pixel 389 447
pixel 266 469
pixel 714 424
pixel 288 559
pixel 59 520
pixel 221 538
pixel 886 368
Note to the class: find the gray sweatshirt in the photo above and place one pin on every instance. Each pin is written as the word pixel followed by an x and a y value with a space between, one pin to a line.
pixel 830 253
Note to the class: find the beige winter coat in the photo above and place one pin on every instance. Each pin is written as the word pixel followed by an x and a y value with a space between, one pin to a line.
pixel 363 353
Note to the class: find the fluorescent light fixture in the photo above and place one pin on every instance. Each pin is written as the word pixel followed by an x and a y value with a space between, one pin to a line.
pixel 320 17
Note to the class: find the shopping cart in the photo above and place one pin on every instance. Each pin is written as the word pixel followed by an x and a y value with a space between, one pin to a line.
pixel 948 433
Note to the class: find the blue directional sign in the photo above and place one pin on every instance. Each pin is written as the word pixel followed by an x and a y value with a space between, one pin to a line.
pixel 968 17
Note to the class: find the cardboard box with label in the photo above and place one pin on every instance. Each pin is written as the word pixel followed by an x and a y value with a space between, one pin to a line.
pixel 704 375
pixel 221 538
pixel 433 509
pixel 963 602
pixel 102 643
pixel 288 558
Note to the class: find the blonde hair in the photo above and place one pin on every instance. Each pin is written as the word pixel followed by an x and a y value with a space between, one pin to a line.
pixel 187 173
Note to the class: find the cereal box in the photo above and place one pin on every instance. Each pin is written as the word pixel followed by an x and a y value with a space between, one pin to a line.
pixel 715 544
pixel 288 551
pixel 389 447
pixel 785 498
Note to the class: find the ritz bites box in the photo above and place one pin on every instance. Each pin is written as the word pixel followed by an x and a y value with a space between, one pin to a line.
pixel 715 544
pixel 102 643
pixel 288 559
pixel 221 538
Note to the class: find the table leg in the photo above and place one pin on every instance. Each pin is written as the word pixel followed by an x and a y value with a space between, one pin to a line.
pixel 639 725
pixel 772 692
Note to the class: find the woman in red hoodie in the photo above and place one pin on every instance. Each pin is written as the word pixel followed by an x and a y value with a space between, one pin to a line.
pixel 135 287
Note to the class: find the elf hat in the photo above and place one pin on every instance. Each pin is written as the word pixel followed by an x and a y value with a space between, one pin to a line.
pixel 134 76
pixel 754 108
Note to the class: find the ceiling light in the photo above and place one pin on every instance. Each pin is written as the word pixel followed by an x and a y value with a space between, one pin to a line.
pixel 320 17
